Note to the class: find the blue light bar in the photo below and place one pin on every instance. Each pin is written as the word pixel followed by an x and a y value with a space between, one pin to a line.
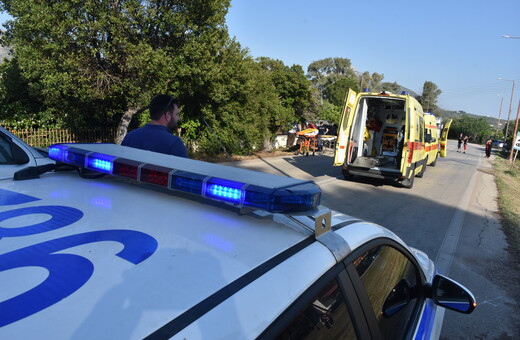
pixel 240 187
pixel 100 162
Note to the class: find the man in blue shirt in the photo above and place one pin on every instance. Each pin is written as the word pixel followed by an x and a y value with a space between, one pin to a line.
pixel 157 135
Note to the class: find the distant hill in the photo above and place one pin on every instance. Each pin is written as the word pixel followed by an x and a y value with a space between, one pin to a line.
pixel 458 114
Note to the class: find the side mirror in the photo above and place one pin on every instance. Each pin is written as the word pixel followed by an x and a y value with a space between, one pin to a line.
pixel 452 295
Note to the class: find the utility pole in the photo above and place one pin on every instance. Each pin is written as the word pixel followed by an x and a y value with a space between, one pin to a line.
pixel 499 112
pixel 514 134
pixel 510 103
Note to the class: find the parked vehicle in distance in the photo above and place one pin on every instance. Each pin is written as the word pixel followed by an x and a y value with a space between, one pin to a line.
pixel 499 144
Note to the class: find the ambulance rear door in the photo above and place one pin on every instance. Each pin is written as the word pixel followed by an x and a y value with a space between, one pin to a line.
pixel 344 129
pixel 444 137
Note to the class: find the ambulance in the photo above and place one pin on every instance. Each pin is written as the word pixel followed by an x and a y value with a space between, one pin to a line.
pixel 112 242
pixel 383 135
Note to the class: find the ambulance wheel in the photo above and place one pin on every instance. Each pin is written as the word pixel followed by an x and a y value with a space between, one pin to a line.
pixel 434 161
pixel 408 182
pixel 347 175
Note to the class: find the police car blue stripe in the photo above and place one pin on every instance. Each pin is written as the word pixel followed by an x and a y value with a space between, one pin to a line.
pixel 425 327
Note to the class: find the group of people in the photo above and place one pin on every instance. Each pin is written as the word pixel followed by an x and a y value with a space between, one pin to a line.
pixel 463 141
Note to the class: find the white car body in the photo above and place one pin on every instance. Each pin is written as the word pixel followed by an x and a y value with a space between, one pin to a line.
pixel 110 258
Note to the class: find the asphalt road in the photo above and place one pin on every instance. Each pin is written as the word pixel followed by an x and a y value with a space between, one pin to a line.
pixel 450 213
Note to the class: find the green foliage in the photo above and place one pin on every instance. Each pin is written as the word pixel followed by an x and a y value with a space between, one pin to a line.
pixel 330 112
pixel 477 129
pixel 95 60
pixel 429 96
pixel 335 92
pixel 371 82
pixel 327 71
pixel 86 63
pixel 293 90
pixel 391 87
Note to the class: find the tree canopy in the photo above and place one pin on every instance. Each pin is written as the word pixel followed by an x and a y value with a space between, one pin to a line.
pixel 90 64
pixel 429 96
pixel 477 129
pixel 97 64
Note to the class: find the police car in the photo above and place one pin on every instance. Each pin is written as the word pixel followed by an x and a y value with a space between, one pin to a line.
pixel 120 243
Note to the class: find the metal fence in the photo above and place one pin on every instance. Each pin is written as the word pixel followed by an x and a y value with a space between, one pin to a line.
pixel 44 138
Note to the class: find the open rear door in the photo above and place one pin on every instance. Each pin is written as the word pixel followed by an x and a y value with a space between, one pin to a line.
pixel 344 129
pixel 444 137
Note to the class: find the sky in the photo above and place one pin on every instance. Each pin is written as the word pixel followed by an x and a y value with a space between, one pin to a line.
pixel 457 44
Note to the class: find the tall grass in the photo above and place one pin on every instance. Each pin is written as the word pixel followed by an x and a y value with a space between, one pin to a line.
pixel 508 183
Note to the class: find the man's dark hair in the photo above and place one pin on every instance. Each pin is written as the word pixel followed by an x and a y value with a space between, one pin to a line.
pixel 160 104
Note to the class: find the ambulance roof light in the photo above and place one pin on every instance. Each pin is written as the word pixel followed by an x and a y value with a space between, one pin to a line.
pixel 404 93
pixel 366 90
pixel 240 187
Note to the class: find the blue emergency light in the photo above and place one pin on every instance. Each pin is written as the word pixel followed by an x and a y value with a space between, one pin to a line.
pixel 240 187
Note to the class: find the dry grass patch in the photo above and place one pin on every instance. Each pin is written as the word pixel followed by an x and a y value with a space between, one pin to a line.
pixel 508 183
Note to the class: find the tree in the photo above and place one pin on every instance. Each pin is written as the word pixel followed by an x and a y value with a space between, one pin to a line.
pixel 293 90
pixel 391 87
pixel 429 96
pixel 335 92
pixel 98 63
pixel 478 129
pixel 326 71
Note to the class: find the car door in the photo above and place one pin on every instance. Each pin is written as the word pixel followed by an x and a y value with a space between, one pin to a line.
pixel 344 129
pixel 390 286
pixel 329 309
pixel 444 137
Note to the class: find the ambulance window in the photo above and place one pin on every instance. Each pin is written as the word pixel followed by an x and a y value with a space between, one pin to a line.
pixel 391 284
pixel 6 154
pixel 325 317
pixel 421 129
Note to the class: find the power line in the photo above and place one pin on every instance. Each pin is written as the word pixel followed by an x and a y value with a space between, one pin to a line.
pixel 477 89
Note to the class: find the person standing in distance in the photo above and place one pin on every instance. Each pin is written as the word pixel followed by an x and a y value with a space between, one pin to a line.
pixel 460 140
pixel 157 135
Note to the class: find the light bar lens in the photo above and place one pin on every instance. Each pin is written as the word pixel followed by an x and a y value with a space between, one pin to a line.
pixel 188 182
pixel 100 162
pixel 154 174
pixel 296 197
pixel 126 168
pixel 225 190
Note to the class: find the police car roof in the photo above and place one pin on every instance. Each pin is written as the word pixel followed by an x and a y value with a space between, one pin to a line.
pixel 177 258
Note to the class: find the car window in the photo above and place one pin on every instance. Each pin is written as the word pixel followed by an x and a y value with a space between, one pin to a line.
pixel 325 317
pixel 6 154
pixel 391 284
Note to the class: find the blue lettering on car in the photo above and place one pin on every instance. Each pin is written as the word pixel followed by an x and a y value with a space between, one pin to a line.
pixel 67 272
pixel 61 216
pixel 8 197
